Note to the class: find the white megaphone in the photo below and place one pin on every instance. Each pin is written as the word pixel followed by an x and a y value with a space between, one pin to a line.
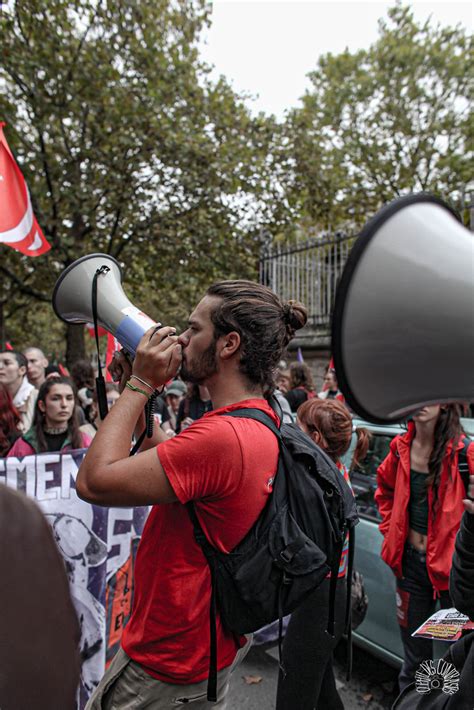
pixel 73 300
pixel 403 320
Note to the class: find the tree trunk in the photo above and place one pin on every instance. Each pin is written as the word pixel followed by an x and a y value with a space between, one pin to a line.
pixel 75 344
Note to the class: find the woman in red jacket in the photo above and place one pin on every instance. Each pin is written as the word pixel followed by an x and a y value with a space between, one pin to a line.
pixel 419 495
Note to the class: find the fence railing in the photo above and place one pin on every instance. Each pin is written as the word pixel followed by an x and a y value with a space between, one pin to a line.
pixel 308 273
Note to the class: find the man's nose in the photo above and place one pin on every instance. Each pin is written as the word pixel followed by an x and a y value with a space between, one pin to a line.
pixel 183 339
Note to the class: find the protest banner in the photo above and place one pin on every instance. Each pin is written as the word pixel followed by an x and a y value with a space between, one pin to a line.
pixel 98 546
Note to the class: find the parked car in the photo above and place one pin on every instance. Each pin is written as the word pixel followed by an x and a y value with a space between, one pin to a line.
pixel 379 632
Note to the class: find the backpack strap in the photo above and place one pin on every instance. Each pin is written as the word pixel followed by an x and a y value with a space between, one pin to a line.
pixel 463 466
pixel 258 415
pixel 207 548
pixel 350 567
pixel 200 537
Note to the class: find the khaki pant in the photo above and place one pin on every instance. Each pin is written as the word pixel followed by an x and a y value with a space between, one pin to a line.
pixel 126 686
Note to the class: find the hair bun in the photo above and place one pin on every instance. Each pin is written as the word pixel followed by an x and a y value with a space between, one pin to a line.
pixel 295 315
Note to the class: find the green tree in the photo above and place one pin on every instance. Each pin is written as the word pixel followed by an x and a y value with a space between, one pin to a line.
pixel 379 123
pixel 128 148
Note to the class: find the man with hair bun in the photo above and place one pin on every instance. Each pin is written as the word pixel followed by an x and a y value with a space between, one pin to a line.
pixel 234 341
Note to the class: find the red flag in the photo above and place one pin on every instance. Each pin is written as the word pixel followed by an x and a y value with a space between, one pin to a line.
pixel 100 331
pixel 8 345
pixel 112 345
pixel 63 370
pixel 330 368
pixel 18 226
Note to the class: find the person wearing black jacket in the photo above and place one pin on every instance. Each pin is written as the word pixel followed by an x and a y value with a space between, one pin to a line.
pixel 460 655
pixel 461 581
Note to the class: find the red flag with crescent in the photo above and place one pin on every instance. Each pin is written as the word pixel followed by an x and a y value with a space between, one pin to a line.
pixel 18 226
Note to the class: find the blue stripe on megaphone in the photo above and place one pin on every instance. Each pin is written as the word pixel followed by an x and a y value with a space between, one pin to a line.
pixel 129 334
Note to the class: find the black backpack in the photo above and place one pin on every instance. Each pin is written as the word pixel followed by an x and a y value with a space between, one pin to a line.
pixel 296 541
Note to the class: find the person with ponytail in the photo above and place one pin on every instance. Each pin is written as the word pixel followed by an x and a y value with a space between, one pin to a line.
pixel 308 679
pixel 420 492
pixel 55 424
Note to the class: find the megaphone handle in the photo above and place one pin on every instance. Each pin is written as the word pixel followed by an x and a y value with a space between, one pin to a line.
pixel 149 420
pixel 101 396
pixel 149 414
pixel 99 382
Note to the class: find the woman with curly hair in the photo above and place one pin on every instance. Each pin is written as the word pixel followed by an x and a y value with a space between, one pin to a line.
pixel 10 419
pixel 420 496
pixel 55 425
pixel 308 681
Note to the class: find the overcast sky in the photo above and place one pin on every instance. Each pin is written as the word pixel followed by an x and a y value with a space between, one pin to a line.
pixel 267 47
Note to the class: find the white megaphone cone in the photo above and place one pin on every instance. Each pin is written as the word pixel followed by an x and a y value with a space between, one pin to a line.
pixel 403 321
pixel 72 300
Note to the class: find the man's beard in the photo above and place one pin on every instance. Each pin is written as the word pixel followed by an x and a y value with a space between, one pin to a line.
pixel 200 369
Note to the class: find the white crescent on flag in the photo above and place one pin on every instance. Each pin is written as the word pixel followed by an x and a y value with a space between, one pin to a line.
pixel 21 231
pixel 19 228
pixel 37 242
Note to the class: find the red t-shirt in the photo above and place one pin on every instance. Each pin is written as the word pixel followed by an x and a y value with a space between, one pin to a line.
pixel 227 465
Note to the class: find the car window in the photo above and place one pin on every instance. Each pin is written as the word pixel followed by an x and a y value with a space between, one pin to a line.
pixel 364 476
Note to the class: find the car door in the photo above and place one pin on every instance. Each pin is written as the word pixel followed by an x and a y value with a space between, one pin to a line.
pixel 379 632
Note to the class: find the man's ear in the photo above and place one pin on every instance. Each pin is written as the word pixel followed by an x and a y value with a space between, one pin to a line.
pixel 228 345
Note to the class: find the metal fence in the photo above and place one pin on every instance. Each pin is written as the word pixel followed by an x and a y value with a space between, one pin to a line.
pixel 307 272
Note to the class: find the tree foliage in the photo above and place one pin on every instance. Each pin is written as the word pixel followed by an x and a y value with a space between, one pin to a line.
pixel 379 123
pixel 128 148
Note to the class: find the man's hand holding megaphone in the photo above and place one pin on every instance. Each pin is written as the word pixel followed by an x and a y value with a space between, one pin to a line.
pixel 157 360
pixel 107 476
pixel 159 356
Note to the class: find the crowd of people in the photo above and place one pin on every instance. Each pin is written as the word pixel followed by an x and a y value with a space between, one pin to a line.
pixel 44 410
pixel 230 357
pixel 26 395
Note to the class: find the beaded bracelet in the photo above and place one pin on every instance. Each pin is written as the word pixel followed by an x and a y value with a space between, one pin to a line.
pixel 137 389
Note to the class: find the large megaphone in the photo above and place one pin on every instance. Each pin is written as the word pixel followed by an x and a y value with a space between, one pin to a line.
pixel 73 300
pixel 403 320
